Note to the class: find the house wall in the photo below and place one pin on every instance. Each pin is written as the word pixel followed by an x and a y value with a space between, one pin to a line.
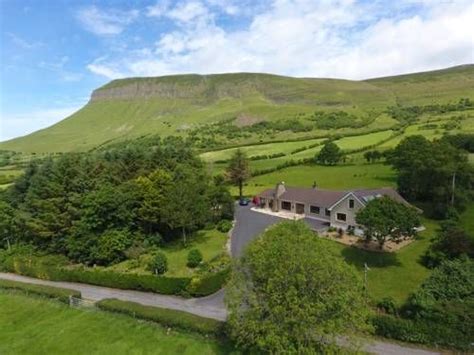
pixel 343 207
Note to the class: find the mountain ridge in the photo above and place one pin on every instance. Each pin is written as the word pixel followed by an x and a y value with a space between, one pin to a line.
pixel 133 107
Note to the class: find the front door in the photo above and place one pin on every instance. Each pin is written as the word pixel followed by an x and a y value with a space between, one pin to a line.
pixel 300 208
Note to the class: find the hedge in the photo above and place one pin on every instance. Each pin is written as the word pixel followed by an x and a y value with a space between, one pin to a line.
pixel 158 284
pixel 32 267
pixel 61 294
pixel 209 284
pixel 422 332
pixel 166 317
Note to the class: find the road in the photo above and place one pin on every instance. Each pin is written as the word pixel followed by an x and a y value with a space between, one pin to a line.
pixel 248 225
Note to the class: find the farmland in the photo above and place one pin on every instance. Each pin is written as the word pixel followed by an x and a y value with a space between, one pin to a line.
pixel 53 328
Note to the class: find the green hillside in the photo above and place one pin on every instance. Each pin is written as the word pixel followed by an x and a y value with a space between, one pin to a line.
pixel 205 105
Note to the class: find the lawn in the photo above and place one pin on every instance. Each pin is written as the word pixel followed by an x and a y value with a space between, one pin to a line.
pixel 211 243
pixel 328 177
pixel 467 219
pixel 30 325
pixel 364 140
pixel 393 275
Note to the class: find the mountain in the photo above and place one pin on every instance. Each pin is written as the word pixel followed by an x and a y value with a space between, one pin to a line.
pixel 134 107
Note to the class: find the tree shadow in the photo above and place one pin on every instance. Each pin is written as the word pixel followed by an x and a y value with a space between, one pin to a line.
pixel 359 257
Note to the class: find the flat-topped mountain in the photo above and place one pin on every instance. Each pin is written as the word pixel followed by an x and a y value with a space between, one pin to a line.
pixel 181 104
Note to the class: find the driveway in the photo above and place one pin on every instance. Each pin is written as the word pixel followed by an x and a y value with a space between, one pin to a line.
pixel 249 224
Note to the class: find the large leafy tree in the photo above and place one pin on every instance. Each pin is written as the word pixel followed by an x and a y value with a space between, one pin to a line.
pixel 384 218
pixel 187 205
pixel 290 293
pixel 238 170
pixel 330 154
pixel 427 171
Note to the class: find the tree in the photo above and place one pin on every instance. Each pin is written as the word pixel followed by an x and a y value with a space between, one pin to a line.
pixel 330 154
pixel 384 218
pixel 238 170
pixel 111 247
pixel 428 171
pixel 291 293
pixel 7 224
pixel 187 205
pixel 159 264
pixel 194 258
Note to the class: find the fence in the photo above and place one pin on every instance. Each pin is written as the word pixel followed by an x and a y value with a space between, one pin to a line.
pixel 81 303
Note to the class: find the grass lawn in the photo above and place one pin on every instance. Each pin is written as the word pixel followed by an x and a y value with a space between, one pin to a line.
pixel 393 275
pixel 467 219
pixel 364 140
pixel 328 177
pixel 211 243
pixel 30 325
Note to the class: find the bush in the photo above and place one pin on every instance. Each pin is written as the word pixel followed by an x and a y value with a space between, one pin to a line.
pixel 166 317
pixel 61 294
pixel 194 258
pixel 209 283
pixel 422 332
pixel 387 305
pixel 159 264
pixel 224 226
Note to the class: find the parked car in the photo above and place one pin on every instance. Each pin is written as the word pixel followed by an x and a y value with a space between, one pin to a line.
pixel 244 201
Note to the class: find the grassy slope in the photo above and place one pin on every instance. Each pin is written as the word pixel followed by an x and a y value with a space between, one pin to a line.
pixel 33 325
pixel 467 219
pixel 188 100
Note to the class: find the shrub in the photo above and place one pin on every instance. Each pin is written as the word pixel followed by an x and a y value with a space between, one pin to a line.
pixel 166 317
pixel 224 226
pixel 159 264
pixel 209 284
pixel 194 258
pixel 387 304
pixel 61 294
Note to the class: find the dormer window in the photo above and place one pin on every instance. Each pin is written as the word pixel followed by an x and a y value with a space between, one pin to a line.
pixel 351 203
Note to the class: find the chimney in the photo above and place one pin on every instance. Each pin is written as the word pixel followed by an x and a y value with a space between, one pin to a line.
pixel 280 189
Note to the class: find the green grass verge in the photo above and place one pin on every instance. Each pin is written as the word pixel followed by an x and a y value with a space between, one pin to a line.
pixel 467 219
pixel 62 294
pixel 166 317
pixel 32 325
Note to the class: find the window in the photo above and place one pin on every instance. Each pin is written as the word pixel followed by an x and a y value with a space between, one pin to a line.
pixel 341 217
pixel 351 203
pixel 314 209
pixel 327 212
pixel 285 205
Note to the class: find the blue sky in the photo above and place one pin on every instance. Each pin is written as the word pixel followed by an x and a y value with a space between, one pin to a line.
pixel 54 53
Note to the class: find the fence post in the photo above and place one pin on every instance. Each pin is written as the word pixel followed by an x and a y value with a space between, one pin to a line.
pixel 70 300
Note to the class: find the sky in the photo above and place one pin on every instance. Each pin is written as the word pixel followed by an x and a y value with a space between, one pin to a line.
pixel 54 53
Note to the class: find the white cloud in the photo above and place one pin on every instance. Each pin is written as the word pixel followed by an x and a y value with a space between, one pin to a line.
pixel 58 67
pixel 345 39
pixel 18 124
pixel 159 9
pixel 101 22
pixel 23 43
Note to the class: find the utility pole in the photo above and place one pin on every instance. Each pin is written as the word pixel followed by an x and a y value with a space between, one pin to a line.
pixel 452 188
pixel 366 269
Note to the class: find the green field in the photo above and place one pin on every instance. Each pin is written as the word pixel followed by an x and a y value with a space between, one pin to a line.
pixel 37 326
pixel 211 243
pixel 327 177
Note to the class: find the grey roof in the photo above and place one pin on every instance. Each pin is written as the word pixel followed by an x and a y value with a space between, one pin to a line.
pixel 327 198
pixel 323 198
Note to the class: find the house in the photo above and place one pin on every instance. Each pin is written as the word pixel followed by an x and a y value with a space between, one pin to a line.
pixel 334 208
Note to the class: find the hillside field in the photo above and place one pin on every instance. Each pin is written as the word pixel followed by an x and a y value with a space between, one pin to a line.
pixel 43 327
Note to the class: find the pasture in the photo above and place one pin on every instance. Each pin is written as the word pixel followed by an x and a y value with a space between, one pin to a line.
pixel 35 325
pixel 326 177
